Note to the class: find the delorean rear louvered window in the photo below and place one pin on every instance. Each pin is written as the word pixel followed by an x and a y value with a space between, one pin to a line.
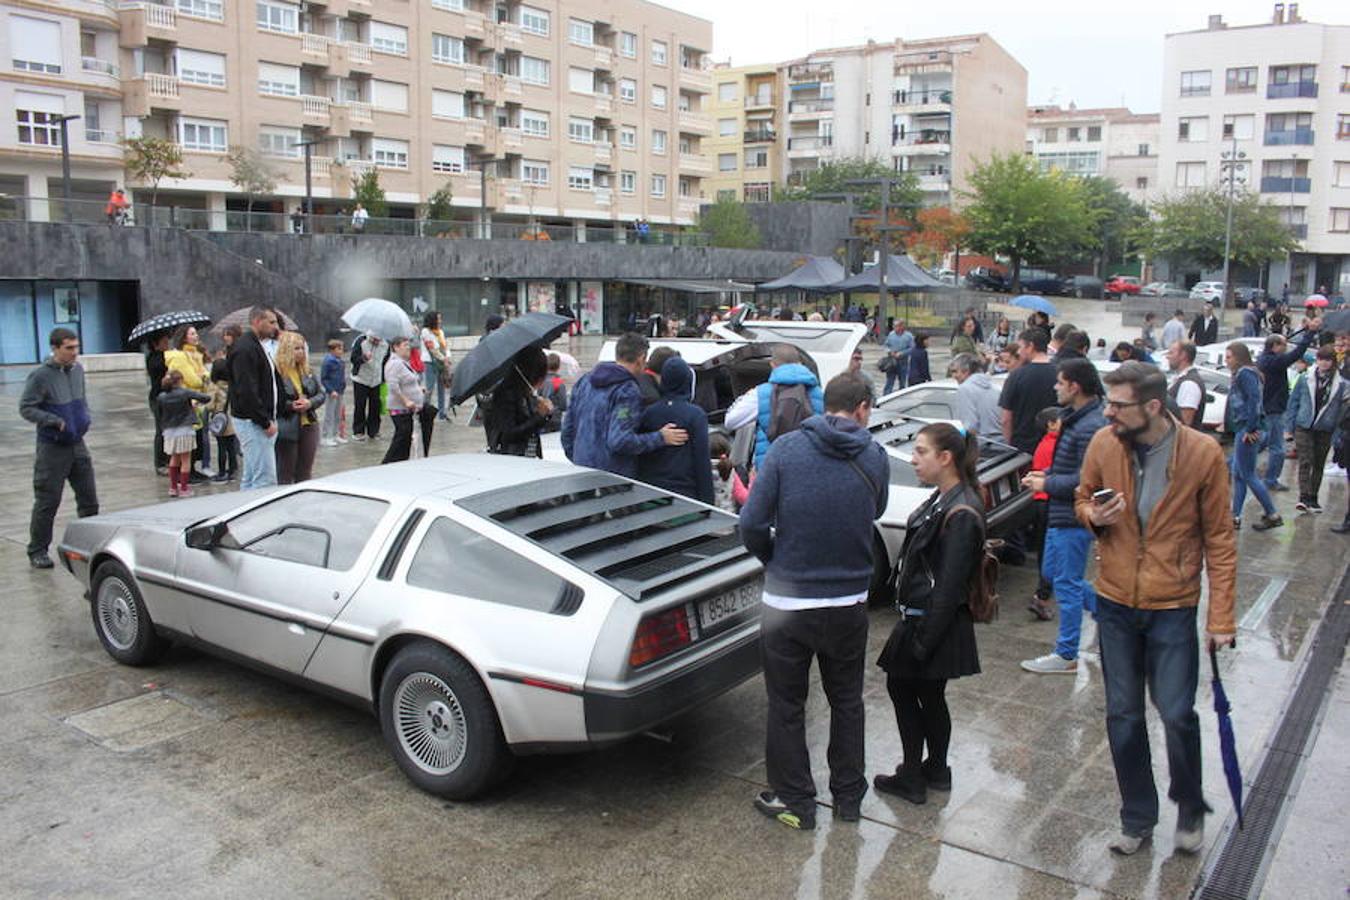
pixel 638 538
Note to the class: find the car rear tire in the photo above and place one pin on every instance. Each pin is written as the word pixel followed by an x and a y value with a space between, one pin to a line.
pixel 121 620
pixel 440 724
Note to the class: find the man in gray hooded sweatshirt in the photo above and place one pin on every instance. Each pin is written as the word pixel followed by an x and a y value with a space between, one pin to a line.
pixel 976 398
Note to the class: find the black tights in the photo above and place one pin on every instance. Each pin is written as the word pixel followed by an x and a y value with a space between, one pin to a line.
pixel 922 716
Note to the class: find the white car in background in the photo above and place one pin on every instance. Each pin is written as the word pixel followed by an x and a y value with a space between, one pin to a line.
pixel 830 344
pixel 1207 290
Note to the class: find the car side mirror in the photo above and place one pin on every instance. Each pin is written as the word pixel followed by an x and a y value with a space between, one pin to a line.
pixel 207 537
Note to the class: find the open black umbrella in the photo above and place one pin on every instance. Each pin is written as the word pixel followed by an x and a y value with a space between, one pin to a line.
pixel 167 322
pixel 1336 321
pixel 1227 741
pixel 486 364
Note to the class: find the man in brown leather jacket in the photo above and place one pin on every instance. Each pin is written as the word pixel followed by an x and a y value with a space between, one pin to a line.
pixel 1167 518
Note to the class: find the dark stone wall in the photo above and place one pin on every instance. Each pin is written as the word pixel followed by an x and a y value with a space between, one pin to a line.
pixel 812 228
pixel 310 275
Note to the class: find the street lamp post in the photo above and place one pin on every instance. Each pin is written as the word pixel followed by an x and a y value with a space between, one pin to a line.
pixel 884 229
pixel 65 160
pixel 1232 159
pixel 484 229
pixel 309 179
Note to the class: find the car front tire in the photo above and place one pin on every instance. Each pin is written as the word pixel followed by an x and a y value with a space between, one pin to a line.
pixel 440 723
pixel 121 620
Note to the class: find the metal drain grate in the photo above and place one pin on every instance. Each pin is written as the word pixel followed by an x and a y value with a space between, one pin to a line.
pixel 1241 860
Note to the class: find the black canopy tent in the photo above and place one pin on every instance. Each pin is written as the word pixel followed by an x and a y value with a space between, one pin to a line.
pixel 817 273
pixel 902 274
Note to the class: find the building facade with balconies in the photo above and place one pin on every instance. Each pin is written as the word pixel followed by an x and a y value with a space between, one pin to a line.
pixel 581 112
pixel 745 149
pixel 1108 142
pixel 935 107
pixel 1279 92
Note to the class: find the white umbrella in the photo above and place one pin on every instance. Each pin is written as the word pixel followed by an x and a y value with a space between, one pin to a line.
pixel 381 318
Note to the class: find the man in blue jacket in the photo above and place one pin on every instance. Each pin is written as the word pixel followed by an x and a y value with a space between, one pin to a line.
pixel 756 405
pixel 1274 363
pixel 53 400
pixel 810 519
pixel 1078 389
pixel 600 428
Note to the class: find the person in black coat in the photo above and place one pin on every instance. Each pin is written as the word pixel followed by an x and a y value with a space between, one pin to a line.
pixel 1204 329
pixel 517 413
pixel 934 641
pixel 156 368
pixel 686 469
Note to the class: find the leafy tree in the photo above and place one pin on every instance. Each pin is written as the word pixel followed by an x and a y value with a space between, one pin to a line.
pixel 1020 212
pixel 1190 227
pixel 832 178
pixel 1118 219
pixel 938 231
pixel 151 159
pixel 254 174
pixel 728 224
pixel 439 206
pixel 366 191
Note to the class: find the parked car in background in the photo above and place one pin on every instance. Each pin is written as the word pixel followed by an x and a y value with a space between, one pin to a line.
pixel 481 606
pixel 1207 290
pixel 1081 286
pixel 1245 293
pixel 1163 289
pixel 1120 285
pixel 1039 281
pixel 983 278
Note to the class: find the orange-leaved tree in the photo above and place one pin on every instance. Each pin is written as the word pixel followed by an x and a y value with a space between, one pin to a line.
pixel 940 230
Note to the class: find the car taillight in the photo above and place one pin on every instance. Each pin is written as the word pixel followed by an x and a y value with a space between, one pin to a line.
pixel 660 635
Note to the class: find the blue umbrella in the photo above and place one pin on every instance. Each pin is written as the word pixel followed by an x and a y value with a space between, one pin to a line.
pixel 1031 301
pixel 1227 742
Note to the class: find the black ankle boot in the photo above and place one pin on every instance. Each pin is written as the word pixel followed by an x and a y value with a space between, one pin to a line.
pixel 938 778
pixel 1344 527
pixel 907 784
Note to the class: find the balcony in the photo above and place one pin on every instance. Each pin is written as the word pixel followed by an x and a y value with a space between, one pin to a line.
pixel 924 61
pixel 510 35
pixel 357 54
pixel 99 66
pixel 811 145
pixel 1277 184
pixel 475 132
pixel 811 72
pixel 512 139
pixel 694 122
pixel 926 137
pixel 315 45
pixel 475 78
pixel 940 182
pixel 1291 89
pixel 316 109
pixel 759 136
pixel 511 191
pixel 141 21
pixel 512 86
pixel 695 163
pixel 1299 232
pixel 359 112
pixel 604 197
pixel 604 58
pixel 1290 138
pixel 604 153
pixel 475 25
pixel 604 105
pixel 759 101
pixel 696 78
pixel 99 136
pixel 688 207
pixel 810 109
pixel 911 99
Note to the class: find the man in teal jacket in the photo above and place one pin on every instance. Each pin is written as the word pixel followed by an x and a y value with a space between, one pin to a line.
pixel 757 405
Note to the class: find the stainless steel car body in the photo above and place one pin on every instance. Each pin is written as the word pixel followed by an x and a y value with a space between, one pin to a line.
pixel 558 668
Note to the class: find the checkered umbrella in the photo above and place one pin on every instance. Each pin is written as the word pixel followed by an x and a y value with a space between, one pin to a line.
pixel 166 322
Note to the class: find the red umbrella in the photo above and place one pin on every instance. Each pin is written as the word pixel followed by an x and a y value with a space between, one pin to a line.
pixel 1316 300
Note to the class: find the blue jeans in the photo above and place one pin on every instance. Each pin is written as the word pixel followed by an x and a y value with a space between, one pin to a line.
pixel 1243 465
pixel 897 378
pixel 431 379
pixel 1066 555
pixel 260 457
pixel 1159 648
pixel 1274 447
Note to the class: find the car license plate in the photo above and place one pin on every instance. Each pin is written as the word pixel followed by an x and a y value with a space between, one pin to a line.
pixel 724 606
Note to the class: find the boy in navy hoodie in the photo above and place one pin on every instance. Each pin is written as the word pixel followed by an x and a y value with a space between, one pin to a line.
pixel 333 378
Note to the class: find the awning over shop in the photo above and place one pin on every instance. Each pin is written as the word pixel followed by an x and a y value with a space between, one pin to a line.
pixel 902 274
pixel 818 273
pixel 691 287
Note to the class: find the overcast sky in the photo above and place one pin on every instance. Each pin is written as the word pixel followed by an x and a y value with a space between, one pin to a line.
pixel 1094 54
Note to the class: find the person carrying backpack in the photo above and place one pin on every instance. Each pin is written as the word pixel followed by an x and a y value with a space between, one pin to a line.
pixel 934 641
pixel 780 405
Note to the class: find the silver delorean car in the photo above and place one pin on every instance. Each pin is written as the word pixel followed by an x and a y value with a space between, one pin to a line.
pixel 481 606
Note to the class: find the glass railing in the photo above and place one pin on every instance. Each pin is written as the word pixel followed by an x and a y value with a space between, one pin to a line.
pixel 1293 137
pixel 1278 184
pixel 1291 89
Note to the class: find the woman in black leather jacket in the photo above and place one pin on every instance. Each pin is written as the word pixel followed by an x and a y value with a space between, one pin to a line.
pixel 934 641
pixel 517 413
pixel 299 394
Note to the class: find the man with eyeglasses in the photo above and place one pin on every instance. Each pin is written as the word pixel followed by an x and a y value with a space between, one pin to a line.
pixel 1157 495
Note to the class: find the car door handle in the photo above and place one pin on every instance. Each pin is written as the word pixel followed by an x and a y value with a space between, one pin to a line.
pixel 296 628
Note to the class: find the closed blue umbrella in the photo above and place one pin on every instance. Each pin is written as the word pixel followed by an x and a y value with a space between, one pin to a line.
pixel 1033 302
pixel 1232 772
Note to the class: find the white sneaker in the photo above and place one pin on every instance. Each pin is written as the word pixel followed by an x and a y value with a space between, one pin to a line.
pixel 1190 835
pixel 1051 664
pixel 341 440
pixel 328 442
pixel 359 437
pixel 1126 844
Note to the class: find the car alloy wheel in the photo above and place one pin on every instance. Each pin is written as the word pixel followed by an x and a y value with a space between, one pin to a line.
pixel 430 723
pixel 118 616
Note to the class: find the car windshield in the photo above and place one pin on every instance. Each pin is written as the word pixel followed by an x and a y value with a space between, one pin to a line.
pixel 818 340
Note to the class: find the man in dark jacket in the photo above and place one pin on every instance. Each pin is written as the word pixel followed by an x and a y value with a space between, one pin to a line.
pixel 53 400
pixel 810 520
pixel 156 368
pixel 253 399
pixel 1079 390
pixel 684 470
pixel 1274 363
pixel 600 428
pixel 1205 329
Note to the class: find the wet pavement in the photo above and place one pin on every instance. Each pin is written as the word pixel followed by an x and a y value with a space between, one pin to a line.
pixel 203 778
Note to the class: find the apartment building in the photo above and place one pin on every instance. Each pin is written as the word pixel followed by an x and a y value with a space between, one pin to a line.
pixel 1279 93
pixel 745 147
pixel 935 107
pixel 583 112
pixel 1110 142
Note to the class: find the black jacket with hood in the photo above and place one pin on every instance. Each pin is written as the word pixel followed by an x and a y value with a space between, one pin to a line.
pixel 683 470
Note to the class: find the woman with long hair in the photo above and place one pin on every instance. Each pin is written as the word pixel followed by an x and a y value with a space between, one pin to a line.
pixel 965 342
pixel 517 413
pixel 1002 336
pixel 186 356
pixel 299 396
pixel 1244 419
pixel 934 641
pixel 436 359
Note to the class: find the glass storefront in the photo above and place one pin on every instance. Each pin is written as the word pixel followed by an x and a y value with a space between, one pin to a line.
pixel 102 313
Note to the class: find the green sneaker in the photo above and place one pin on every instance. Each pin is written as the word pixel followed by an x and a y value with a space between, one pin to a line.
pixel 767 802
